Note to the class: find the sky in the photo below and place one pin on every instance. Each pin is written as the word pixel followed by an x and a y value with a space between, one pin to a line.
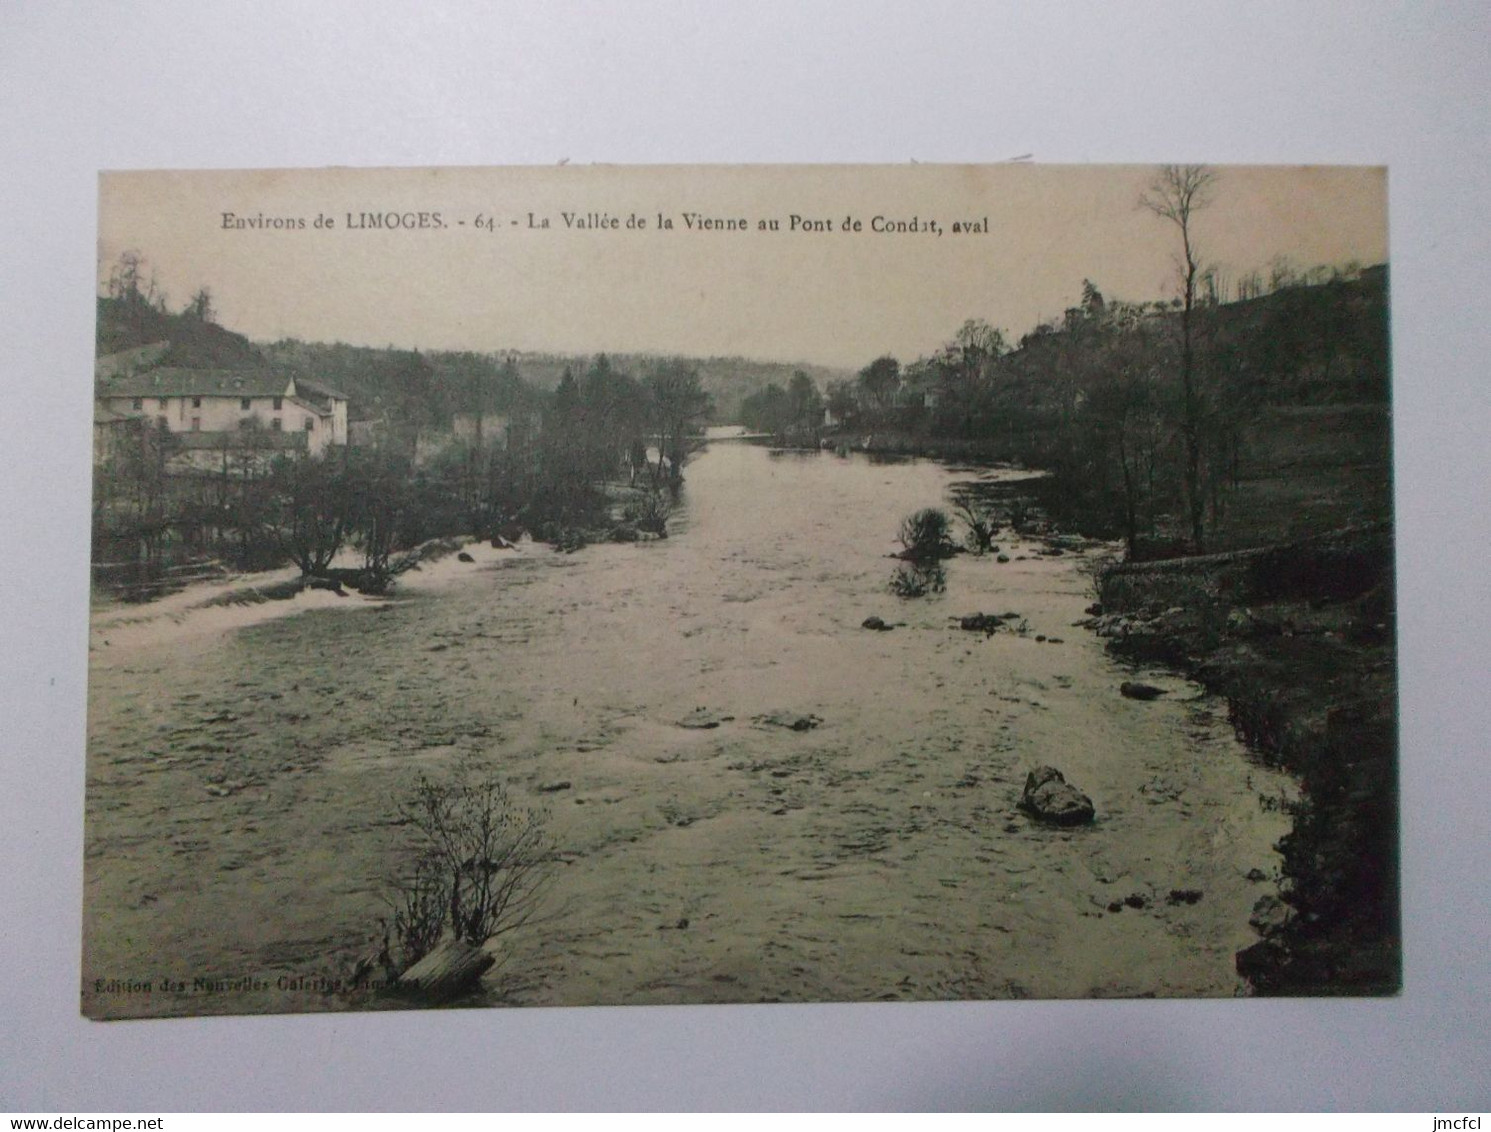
pixel 484 274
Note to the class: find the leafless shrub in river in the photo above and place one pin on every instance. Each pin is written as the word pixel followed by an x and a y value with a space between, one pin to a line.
pixel 417 902
pixel 926 535
pixel 914 580
pixel 475 865
pixel 649 511
pixel 981 523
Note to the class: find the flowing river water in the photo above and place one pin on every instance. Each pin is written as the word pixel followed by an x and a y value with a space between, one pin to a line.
pixel 244 766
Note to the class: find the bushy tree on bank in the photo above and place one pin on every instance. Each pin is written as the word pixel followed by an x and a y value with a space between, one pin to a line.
pixel 790 416
pixel 677 408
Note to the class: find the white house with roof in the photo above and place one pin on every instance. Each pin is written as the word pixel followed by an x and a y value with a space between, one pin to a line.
pixel 216 409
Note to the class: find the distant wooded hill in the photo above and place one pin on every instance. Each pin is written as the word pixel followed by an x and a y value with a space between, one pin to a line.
pixel 456 382
pixel 729 381
pixel 431 386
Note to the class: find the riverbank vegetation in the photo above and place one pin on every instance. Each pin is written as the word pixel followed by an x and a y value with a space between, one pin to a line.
pixel 443 445
pixel 1289 409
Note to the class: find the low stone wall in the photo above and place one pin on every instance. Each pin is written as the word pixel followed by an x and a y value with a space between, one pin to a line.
pixel 1339 565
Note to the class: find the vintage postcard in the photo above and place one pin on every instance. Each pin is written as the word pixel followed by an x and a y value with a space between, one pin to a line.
pixel 619 585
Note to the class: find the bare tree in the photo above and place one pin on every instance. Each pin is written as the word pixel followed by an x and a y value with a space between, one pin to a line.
pixel 129 283
pixel 313 511
pixel 1174 195
pixel 200 306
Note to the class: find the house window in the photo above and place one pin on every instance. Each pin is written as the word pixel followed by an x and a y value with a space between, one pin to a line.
pixel 196 424
pixel 275 424
pixel 246 423
pixel 279 403
pixel 162 403
pixel 196 402
pixel 310 424
pixel 137 403
pixel 245 404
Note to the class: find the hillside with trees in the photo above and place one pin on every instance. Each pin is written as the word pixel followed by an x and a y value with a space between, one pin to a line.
pixel 1283 429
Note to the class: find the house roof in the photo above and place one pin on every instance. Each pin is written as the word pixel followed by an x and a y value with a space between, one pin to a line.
pixel 309 406
pixel 318 389
pixel 178 381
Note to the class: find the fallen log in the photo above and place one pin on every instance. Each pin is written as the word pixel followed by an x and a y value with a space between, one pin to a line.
pixel 454 966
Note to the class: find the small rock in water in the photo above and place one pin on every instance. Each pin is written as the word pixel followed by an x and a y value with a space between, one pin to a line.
pixel 1256 875
pixel 1049 798
pixel 1003 558
pixel 702 719
pixel 554 787
pixel 1135 900
pixel 1270 916
pixel 1115 906
pixel 464 557
pixel 790 720
pixel 876 623
pixel 1134 690
pixel 1184 895
pixel 980 622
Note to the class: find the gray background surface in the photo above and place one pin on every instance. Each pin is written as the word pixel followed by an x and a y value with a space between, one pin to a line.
pixel 171 85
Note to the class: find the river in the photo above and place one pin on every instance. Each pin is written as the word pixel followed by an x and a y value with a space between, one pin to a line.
pixel 244 765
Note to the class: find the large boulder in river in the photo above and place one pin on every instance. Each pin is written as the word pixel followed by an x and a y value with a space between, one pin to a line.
pixel 1133 690
pixel 1050 798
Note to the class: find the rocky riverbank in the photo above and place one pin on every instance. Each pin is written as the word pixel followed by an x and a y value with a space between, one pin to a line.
pixel 1300 640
